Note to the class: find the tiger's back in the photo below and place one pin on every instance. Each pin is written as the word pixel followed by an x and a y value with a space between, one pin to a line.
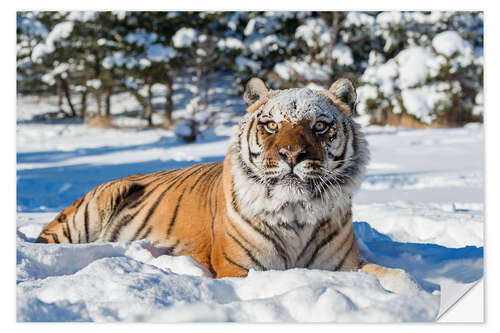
pixel 173 209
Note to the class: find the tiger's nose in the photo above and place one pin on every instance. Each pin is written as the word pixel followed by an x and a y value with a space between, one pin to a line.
pixel 293 156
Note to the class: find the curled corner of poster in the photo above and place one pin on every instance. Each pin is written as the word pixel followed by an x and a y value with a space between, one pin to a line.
pixel 462 302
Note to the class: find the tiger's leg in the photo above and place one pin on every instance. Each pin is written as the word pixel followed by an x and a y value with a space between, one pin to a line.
pixel 86 218
pixel 392 279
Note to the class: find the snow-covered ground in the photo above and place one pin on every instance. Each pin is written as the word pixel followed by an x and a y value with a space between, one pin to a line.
pixel 420 208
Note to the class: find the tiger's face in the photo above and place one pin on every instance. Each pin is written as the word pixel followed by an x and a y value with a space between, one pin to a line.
pixel 301 142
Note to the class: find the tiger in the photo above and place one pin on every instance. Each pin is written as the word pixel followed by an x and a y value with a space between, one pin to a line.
pixel 280 199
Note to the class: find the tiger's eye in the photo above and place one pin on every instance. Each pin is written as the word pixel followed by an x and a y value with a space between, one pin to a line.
pixel 272 126
pixel 320 127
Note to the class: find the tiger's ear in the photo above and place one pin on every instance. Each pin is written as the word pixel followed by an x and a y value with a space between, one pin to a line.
pixel 254 90
pixel 343 90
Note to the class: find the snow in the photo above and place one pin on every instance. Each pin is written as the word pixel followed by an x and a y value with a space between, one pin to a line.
pixel 413 66
pixel 423 101
pixel 420 208
pixel 302 69
pixel 383 76
pixel 60 31
pixel 141 38
pixel 261 45
pixel 245 63
pixel 94 83
pixel 410 78
pixel 184 37
pixel 31 26
pixel 365 93
pixel 230 43
pixel 449 43
pixel 314 32
pixel 358 19
pixel 343 55
pixel 158 52
pixel 82 16
pixel 183 130
pixel 116 59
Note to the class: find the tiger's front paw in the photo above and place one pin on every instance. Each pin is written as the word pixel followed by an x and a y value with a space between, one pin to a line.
pixel 392 279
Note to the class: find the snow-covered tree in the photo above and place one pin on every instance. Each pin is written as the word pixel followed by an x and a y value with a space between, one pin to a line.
pixel 429 69
pixel 395 58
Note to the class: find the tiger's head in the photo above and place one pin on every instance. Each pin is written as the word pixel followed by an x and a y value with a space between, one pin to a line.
pixel 301 144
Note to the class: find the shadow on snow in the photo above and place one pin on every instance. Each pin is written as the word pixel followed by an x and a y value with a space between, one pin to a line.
pixel 428 264
pixel 54 188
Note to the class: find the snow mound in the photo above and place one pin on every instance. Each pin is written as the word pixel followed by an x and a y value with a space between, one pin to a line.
pixel 123 282
pixel 134 282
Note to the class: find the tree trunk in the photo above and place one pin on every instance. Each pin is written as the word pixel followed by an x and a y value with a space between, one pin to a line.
pixel 207 85
pixel 199 71
pixel 97 96
pixel 65 87
pixel 107 110
pixel 169 104
pixel 333 40
pixel 149 106
pixel 84 104
pixel 60 95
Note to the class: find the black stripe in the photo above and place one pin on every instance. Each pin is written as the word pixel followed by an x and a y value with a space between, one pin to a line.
pixel 67 232
pixel 104 186
pixel 212 167
pixel 208 185
pixel 316 230
pixel 79 204
pixel 249 173
pixel 329 238
pixel 257 141
pixel 86 222
pixel 325 241
pixel 215 209
pixel 121 201
pixel 147 194
pixel 275 234
pixel 74 226
pixel 176 210
pixel 344 148
pixel 122 224
pixel 341 262
pixel 86 216
pixel 146 234
pixel 54 236
pixel 287 226
pixel 231 261
pixel 247 251
pixel 250 158
pixel 41 239
pixel 211 184
pixel 160 197
pixel 211 197
pixel 354 138
pixel 279 249
pixel 171 249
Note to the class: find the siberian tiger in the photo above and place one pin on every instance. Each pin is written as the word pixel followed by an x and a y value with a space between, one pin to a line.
pixel 280 199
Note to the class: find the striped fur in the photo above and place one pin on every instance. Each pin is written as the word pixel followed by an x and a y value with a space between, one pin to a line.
pixel 280 199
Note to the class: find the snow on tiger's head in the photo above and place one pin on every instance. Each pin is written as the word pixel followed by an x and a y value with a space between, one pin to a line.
pixel 301 142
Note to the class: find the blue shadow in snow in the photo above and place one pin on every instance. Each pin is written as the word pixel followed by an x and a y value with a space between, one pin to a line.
pixel 425 262
pixel 54 188
pixel 59 155
pixel 57 187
